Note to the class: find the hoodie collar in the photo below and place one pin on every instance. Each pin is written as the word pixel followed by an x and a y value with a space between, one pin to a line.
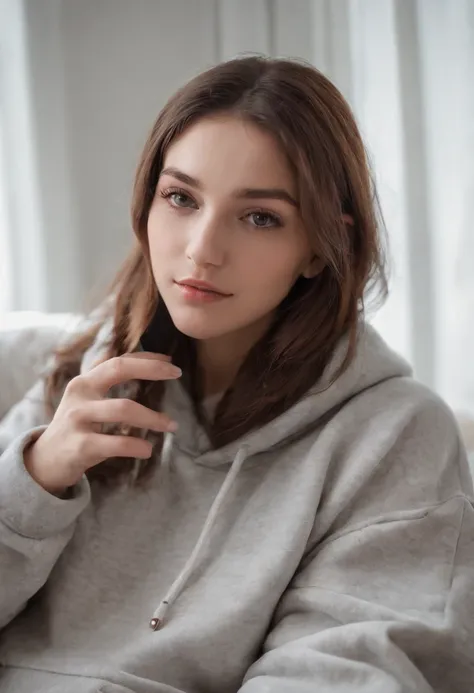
pixel 374 362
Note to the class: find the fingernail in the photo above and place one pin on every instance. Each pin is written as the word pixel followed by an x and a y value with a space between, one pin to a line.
pixel 176 371
pixel 172 427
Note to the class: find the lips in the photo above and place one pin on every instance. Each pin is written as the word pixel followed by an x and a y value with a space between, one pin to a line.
pixel 200 293
pixel 201 286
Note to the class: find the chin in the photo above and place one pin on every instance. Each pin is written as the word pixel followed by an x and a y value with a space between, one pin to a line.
pixel 199 327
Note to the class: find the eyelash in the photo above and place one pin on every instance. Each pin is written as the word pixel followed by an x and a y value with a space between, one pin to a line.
pixel 174 191
pixel 275 219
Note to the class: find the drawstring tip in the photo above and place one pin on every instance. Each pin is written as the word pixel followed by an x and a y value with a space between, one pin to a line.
pixel 159 615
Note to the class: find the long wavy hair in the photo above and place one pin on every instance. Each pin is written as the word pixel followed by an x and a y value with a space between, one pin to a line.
pixel 314 126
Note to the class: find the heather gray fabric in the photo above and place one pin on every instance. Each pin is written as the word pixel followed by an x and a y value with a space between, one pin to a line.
pixel 332 550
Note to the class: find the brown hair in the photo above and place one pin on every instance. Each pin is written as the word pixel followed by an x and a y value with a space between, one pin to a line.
pixel 314 125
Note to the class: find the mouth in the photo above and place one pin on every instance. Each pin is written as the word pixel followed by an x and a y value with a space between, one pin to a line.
pixel 201 286
pixel 200 291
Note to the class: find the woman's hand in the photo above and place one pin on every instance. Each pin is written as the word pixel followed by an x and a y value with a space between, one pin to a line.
pixel 73 443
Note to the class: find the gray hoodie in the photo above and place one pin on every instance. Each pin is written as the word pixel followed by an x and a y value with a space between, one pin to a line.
pixel 330 551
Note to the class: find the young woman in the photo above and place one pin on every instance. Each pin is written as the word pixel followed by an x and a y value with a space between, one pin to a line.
pixel 229 482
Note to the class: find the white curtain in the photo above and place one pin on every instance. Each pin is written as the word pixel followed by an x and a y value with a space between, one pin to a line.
pixel 406 68
pixel 413 93
pixel 5 264
pixel 23 281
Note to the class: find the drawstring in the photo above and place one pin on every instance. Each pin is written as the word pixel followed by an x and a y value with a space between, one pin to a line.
pixel 166 451
pixel 165 457
pixel 178 585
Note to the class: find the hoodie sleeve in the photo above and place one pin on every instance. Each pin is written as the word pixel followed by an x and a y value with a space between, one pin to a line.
pixel 385 602
pixel 35 526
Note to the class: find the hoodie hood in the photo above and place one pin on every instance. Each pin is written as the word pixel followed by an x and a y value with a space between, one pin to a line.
pixel 373 363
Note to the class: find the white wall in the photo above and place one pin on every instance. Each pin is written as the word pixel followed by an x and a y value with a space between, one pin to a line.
pixel 100 71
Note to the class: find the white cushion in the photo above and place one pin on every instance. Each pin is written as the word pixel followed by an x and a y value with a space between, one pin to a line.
pixel 27 340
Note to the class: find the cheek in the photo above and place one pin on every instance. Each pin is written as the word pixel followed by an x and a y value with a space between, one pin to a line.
pixel 162 240
pixel 275 270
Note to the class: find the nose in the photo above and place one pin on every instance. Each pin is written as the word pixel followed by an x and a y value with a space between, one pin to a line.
pixel 206 241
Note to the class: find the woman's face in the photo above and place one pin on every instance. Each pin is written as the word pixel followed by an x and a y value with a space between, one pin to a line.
pixel 226 213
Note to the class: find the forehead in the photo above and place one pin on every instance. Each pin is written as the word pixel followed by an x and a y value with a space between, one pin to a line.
pixel 232 153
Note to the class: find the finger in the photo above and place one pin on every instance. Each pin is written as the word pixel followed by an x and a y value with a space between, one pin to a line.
pixel 100 447
pixel 119 369
pixel 148 355
pixel 135 354
pixel 128 412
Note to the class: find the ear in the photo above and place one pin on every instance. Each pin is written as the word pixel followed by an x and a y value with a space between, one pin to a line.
pixel 314 267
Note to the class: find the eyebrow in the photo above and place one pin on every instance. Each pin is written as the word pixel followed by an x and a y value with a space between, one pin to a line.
pixel 245 193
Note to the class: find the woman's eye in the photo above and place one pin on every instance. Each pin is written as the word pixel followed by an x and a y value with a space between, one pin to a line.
pixel 180 199
pixel 263 220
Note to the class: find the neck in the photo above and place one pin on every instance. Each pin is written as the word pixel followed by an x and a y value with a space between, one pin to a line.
pixel 220 358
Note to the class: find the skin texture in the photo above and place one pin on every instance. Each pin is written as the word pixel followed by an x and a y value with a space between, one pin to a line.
pixel 250 245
